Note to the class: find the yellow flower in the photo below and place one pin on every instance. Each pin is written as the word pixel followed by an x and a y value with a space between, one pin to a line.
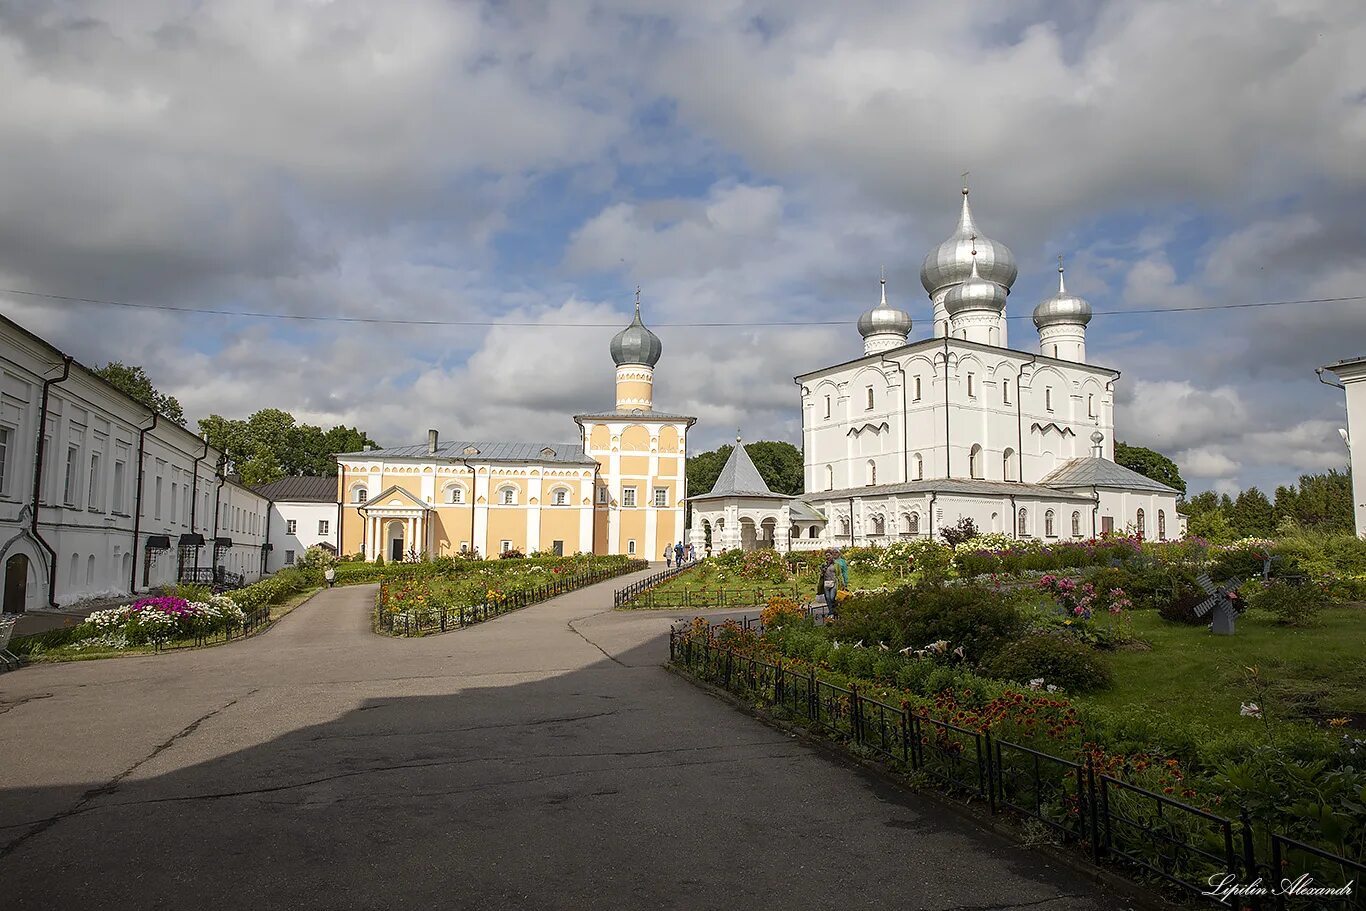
pixel 1339 722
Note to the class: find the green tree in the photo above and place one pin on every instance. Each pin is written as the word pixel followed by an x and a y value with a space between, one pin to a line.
pixel 1322 502
pixel 269 445
pixel 133 382
pixel 1213 526
pixel 1150 464
pixel 1201 503
pixel 1252 515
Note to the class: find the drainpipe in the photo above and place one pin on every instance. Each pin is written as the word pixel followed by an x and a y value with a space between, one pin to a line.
pixel 341 507
pixel 934 495
pixel 905 428
pixel 38 481
pixel 1019 416
pixel 948 450
pixel 1110 388
pixel 265 548
pixel 1095 509
pixel 194 498
pixel 1320 371
pixel 137 500
pixel 217 509
pixel 851 521
pixel 1014 518
pixel 473 500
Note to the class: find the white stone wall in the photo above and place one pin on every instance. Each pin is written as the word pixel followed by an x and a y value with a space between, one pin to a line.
pixel 306 517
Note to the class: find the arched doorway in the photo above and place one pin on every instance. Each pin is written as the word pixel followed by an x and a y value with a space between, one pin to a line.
pixel 16 583
pixel 768 536
pixel 748 534
pixel 393 536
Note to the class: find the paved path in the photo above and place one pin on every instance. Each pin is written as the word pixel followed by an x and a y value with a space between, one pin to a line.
pixel 543 760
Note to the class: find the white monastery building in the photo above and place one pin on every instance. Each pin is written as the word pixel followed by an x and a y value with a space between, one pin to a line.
pixel 303 514
pixel 915 435
pixel 1352 374
pixel 100 495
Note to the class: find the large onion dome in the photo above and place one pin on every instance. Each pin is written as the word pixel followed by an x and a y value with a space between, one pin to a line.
pixel 635 344
pixel 951 261
pixel 1062 308
pixel 884 319
pixel 975 293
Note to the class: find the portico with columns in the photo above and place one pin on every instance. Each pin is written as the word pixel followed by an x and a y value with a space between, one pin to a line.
pixel 395 525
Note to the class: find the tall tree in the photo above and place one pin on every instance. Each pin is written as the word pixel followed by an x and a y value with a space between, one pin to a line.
pixel 1321 501
pixel 269 445
pixel 1252 515
pixel 1150 464
pixel 133 382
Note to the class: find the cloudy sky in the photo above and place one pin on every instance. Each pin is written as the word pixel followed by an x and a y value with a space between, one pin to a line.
pixel 523 166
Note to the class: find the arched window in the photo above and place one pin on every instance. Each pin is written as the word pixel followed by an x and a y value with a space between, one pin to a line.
pixel 919 467
pixel 507 496
pixel 868 403
pixel 1005 391
pixel 1090 406
pixel 872 472
pixel 1141 523
pixel 844 525
pixel 1076 524
pixel 879 527
pixel 455 494
pixel 359 494
pixel 913 523
pixel 813 532
pixel 1048 524
pixel 1161 525
pixel 830 477
pixel 560 497
pixel 1008 471
pixel 975 461
pixel 1023 526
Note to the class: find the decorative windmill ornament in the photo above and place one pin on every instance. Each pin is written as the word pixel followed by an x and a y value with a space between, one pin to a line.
pixel 1223 601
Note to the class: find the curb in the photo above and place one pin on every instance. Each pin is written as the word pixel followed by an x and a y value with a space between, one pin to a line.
pixel 1136 893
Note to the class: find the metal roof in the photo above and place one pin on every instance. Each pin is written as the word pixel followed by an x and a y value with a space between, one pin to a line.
pixel 1092 471
pixel 566 453
pixel 297 489
pixel 803 511
pixel 739 478
pixel 969 486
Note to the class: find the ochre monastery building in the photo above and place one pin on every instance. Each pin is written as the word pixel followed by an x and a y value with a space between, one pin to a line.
pixel 619 489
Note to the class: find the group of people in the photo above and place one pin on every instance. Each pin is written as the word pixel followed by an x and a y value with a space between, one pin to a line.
pixel 677 554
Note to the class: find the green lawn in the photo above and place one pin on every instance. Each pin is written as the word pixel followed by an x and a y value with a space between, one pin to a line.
pixel 704 583
pixel 1313 673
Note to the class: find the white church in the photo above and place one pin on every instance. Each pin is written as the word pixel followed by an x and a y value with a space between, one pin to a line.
pixel 915 435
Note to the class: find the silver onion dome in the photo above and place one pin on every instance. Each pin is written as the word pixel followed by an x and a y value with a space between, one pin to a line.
pixel 1062 308
pixel 635 344
pixel 951 261
pixel 884 319
pixel 975 293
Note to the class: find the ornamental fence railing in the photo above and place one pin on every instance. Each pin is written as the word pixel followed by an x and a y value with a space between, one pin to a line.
pixel 254 620
pixel 1114 821
pixel 445 617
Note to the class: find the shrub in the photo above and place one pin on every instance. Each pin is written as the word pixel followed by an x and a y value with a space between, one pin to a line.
pixel 964 530
pixel 979 621
pixel 1057 661
pixel 511 553
pixel 1181 609
pixel 780 611
pixel 1293 605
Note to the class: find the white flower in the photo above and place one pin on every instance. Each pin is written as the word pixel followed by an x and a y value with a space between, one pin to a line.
pixel 858 644
pixel 1250 710
pixel 882 647
pixel 836 644
pixel 1036 683
pixel 908 650
pixel 1051 688
pixel 959 653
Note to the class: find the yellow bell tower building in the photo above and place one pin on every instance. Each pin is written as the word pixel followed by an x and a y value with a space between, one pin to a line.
pixel 641 454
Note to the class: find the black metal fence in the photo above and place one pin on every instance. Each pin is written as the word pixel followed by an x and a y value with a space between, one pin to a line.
pixel 440 618
pixel 253 621
pixel 623 596
pixel 218 577
pixel 1114 820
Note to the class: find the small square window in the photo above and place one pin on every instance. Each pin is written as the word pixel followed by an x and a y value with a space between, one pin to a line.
pixel 661 497
pixel 289 558
pixel 324 526
pixel 505 546
pixel 291 526
pixel 628 496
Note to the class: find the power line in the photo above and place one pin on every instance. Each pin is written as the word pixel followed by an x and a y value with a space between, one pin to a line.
pixel 398 321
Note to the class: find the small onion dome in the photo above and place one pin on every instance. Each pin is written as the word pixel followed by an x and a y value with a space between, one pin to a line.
pixel 1062 308
pixel 975 293
pixel 883 319
pixel 950 262
pixel 635 344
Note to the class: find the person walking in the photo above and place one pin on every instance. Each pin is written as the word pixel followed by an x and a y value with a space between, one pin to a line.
pixel 330 576
pixel 688 553
pixel 678 553
pixel 829 583
pixel 668 555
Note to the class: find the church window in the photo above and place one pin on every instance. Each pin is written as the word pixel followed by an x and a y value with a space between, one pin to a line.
pixel 602 495
pixel 913 523
pixel 872 472
pixel 919 467
pixel 972 389
pixel 661 497
pixel 829 477
pixel 1048 529
pixel 1091 406
pixel 1076 524
pixel 879 528
pixel 844 525
pixel 1161 525
pixel 561 497
pixel 455 494
pixel 1023 524
pixel 1005 391
pixel 1141 523
pixel 917 388
pixel 1048 397
pixel 628 496
pixel 631 547
pixel 360 495
pixel 504 546
pixel 827 406
pixel 507 496
pixel 869 402
pixel 975 460
pixel 813 532
pixel 1008 472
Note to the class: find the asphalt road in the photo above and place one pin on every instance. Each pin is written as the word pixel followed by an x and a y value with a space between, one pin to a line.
pixel 543 760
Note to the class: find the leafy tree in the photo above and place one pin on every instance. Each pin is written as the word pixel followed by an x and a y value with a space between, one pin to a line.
pixel 1252 515
pixel 965 530
pixel 1322 502
pixel 1150 464
pixel 133 382
pixel 1201 503
pixel 269 445
pixel 1213 526
pixel 779 464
